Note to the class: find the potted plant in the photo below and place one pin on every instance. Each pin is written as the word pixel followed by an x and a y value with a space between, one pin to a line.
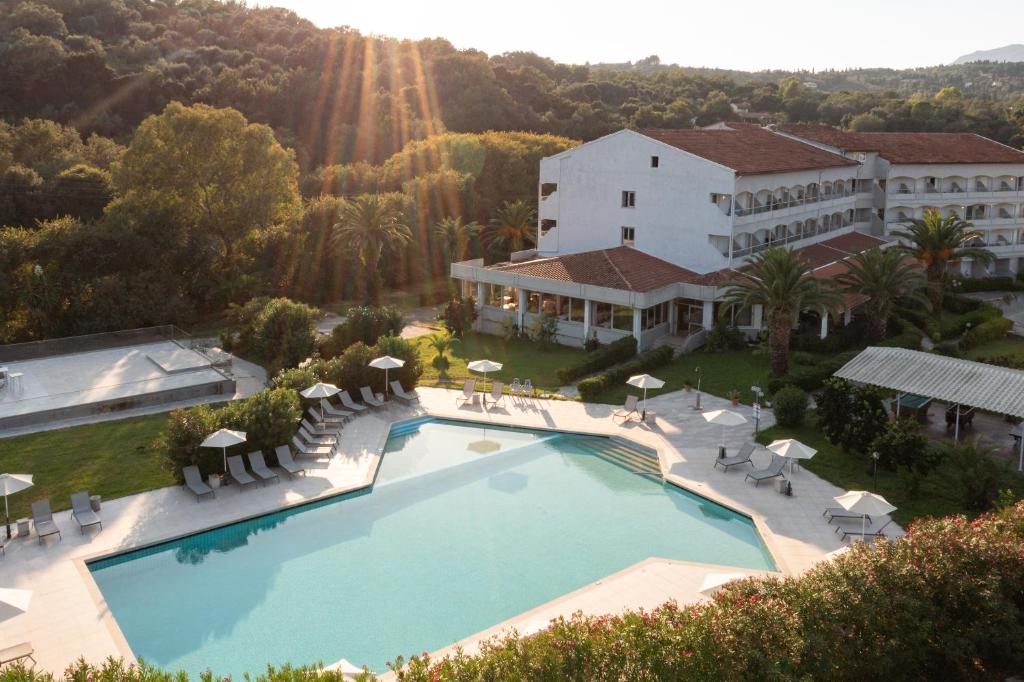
pixel 688 384
pixel 734 396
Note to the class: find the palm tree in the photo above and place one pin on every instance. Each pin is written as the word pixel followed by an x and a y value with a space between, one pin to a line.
pixel 937 241
pixel 454 236
pixel 885 276
pixel 366 225
pixel 513 226
pixel 778 281
pixel 441 342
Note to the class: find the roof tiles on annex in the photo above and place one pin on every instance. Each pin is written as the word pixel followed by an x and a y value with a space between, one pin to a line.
pixel 837 248
pixel 911 148
pixel 748 149
pixel 966 382
pixel 622 268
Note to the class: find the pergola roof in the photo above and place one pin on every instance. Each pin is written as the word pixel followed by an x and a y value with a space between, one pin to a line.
pixel 966 382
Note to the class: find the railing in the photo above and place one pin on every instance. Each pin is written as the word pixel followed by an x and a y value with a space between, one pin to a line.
pixel 788 239
pixel 31 350
pixel 790 203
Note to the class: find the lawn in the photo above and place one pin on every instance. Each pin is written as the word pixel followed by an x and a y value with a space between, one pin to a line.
pixel 938 495
pixel 112 459
pixel 1011 346
pixel 521 358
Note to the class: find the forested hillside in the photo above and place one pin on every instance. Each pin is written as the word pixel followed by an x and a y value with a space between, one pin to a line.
pixel 160 160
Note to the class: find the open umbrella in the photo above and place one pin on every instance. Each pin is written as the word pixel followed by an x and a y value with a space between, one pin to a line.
pixel 321 391
pixel 645 381
pixel 484 366
pixel 223 439
pixel 348 670
pixel 13 602
pixel 723 418
pixel 866 504
pixel 386 362
pixel 10 484
pixel 713 582
pixel 791 449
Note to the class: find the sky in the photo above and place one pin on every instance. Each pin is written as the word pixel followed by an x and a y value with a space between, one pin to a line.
pixel 733 34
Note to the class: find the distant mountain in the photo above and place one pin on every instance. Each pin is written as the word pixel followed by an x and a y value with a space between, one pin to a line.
pixel 1010 53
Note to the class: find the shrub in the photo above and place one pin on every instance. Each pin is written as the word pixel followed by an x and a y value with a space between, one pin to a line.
pixel 409 374
pixel 592 387
pixel 363 323
pixel 590 344
pixel 297 378
pixel 543 330
pixel 276 332
pixel 990 330
pixel 909 339
pixel 724 337
pixel 179 444
pixel 790 405
pixel 1002 360
pixel 350 370
pixel 602 358
pixel 902 444
pixel 459 315
pixel 971 284
pixel 851 417
pixel 978 473
pixel 953 326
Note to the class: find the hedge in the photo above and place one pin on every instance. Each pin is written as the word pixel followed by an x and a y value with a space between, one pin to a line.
pixel 604 357
pixel 956 325
pixel 594 386
pixel 991 330
pixel 811 377
pixel 943 602
pixel 971 284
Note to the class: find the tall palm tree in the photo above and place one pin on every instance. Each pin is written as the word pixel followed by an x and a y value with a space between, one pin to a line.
pixel 514 226
pixel 885 276
pixel 778 281
pixel 454 236
pixel 937 241
pixel 366 226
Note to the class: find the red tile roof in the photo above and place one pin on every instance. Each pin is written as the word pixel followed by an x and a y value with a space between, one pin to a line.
pixel 912 147
pixel 748 149
pixel 622 268
pixel 835 249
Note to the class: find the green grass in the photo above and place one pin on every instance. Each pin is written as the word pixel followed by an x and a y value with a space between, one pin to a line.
pixel 112 459
pixel 937 496
pixel 1011 346
pixel 521 358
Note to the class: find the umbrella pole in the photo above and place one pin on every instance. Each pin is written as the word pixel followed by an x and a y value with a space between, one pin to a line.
pixel 224 451
pixel 863 527
pixel 7 516
pixel 643 415
pixel 385 383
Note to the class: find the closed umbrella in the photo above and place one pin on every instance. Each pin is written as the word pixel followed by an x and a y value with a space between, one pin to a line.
pixel 223 439
pixel 645 381
pixel 724 418
pixel 10 484
pixel 321 391
pixel 13 602
pixel 386 362
pixel 791 449
pixel 866 504
pixel 484 366
pixel 713 582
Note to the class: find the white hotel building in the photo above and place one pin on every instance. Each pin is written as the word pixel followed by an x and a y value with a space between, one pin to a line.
pixel 639 230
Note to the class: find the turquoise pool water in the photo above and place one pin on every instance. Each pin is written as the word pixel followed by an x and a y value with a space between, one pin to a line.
pixel 464 527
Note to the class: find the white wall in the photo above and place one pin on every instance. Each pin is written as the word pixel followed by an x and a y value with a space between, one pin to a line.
pixel 673 215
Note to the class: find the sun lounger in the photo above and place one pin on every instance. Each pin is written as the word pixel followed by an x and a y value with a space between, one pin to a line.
pixel 868 533
pixel 741 457
pixel 773 470
pixel 369 398
pixel 628 408
pixel 333 411
pixel 259 467
pixel 42 519
pixel 328 420
pixel 409 397
pixel 18 652
pixel 194 482
pixel 312 450
pixel 237 472
pixel 81 511
pixel 287 462
pixel 468 392
pixel 497 392
pixel 840 514
pixel 350 404
pixel 319 429
pixel 316 438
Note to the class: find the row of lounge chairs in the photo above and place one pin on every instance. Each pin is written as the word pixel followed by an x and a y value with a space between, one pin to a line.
pixel 469 393
pixel 237 472
pixel 81 512
pixel 773 470
pixel 839 514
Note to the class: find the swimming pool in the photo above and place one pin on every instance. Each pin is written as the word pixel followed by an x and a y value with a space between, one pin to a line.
pixel 463 528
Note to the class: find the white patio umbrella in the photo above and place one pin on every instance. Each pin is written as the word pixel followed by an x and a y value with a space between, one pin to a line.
pixel 645 381
pixel 713 582
pixel 386 362
pixel 13 602
pixel 865 503
pixel 791 449
pixel 321 391
pixel 724 418
pixel 223 439
pixel 484 366
pixel 10 484
pixel 348 670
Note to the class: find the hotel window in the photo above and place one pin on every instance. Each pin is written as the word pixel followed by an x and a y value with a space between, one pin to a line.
pixel 576 309
pixel 602 314
pixel 494 295
pixel 655 161
pixel 654 316
pixel 628 236
pixel 628 199
pixel 622 318
pixel 548 304
pixel 510 298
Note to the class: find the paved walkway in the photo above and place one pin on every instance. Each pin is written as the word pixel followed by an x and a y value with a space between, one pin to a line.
pixel 68 618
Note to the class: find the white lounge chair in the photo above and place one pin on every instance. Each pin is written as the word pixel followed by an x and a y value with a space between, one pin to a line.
pixel 312 450
pixel 773 470
pixel 18 652
pixel 628 408
pixel 408 397
pixel 497 392
pixel 319 429
pixel 42 519
pixel 260 468
pixel 237 472
pixel 326 420
pixel 81 511
pixel 863 534
pixel 840 514
pixel 333 411
pixel 287 462
pixel 194 482
pixel 316 439
pixel 468 392
pixel 350 404
pixel 741 457
pixel 369 398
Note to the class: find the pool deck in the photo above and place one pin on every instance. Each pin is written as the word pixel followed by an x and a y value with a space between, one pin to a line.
pixel 68 618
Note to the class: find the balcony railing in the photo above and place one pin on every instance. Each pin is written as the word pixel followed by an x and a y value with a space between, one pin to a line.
pixel 791 203
pixel 788 239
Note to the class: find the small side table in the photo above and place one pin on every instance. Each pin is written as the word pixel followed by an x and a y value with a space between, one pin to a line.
pixel 94 502
pixel 214 481
pixel 23 528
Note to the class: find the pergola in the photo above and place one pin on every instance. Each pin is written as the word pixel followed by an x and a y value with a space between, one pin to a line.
pixel 960 382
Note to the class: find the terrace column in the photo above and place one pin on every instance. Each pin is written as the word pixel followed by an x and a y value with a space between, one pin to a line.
pixel 708 318
pixel 1014 265
pixel 586 319
pixel 757 316
pixel 521 309
pixel 824 324
pixel 673 319
pixel 637 314
pixel 481 289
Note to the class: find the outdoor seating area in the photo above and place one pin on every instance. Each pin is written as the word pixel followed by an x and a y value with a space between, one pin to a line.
pixel 85 511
